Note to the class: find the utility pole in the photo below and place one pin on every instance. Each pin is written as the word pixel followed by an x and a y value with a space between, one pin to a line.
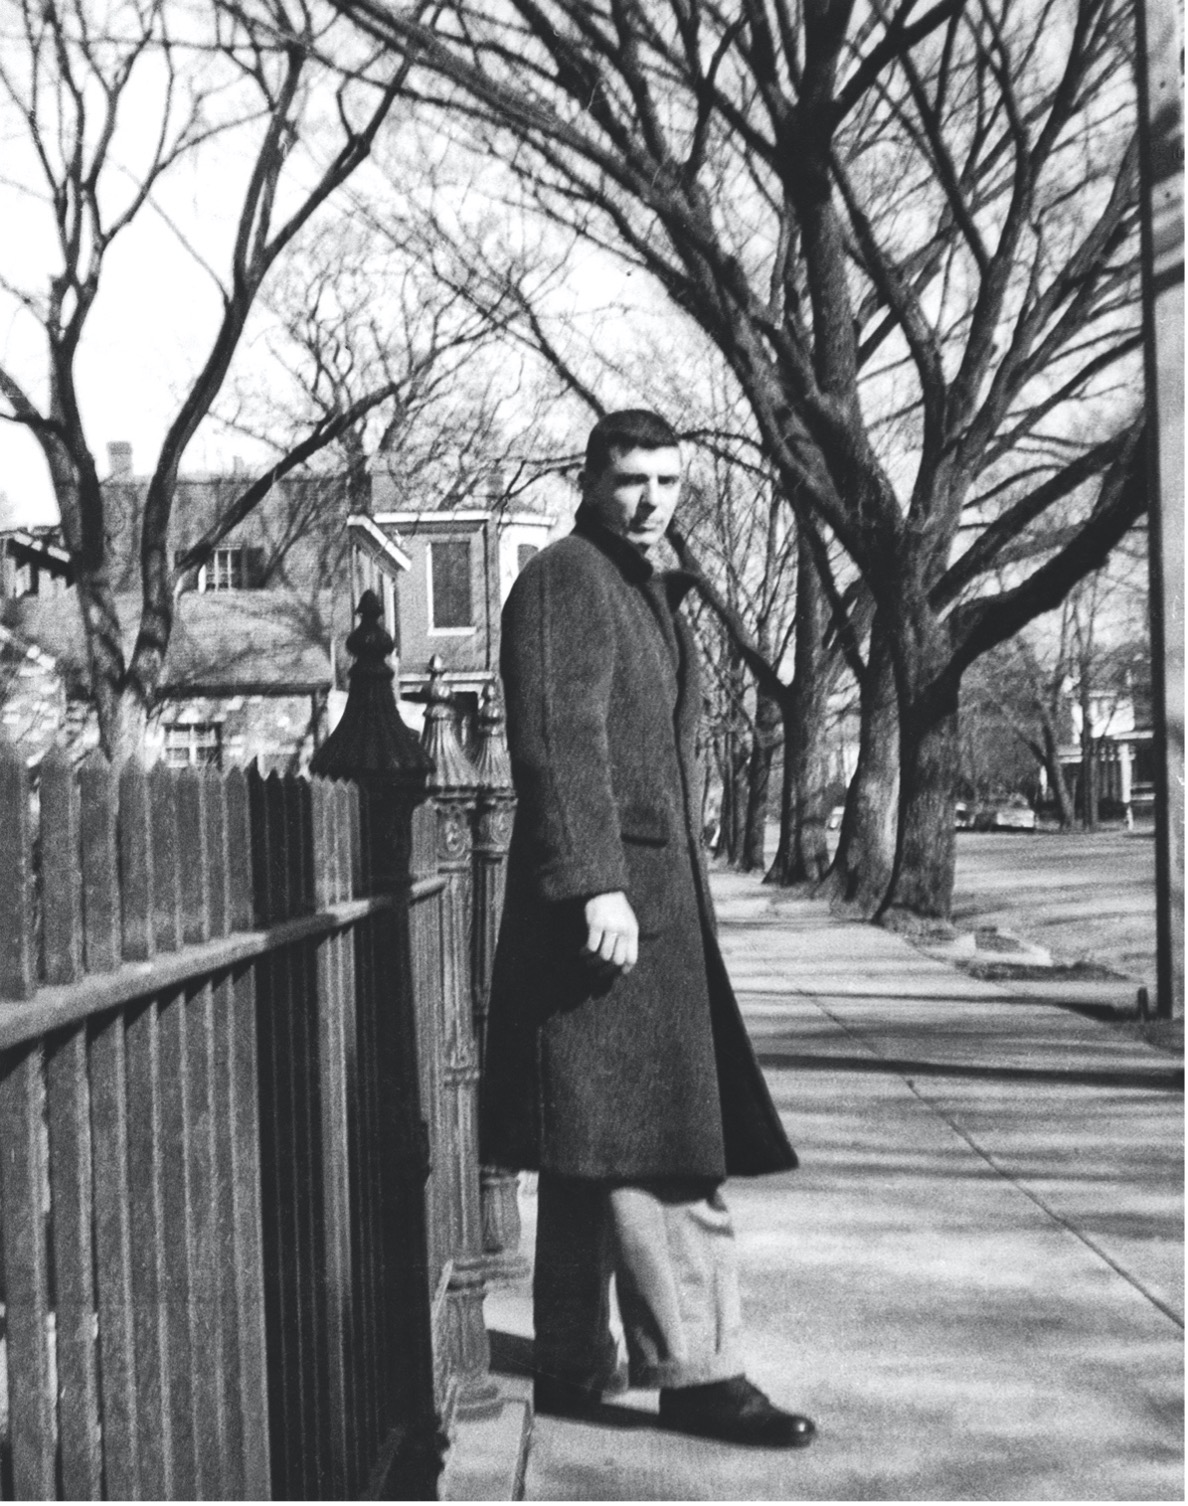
pixel 1161 135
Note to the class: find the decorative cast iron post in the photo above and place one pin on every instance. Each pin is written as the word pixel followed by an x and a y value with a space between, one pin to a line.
pixel 496 804
pixel 454 786
pixel 372 747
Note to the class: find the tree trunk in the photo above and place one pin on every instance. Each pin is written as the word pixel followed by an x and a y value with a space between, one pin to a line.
pixel 732 762
pixel 926 855
pixel 927 846
pixel 734 808
pixel 767 736
pixel 803 855
pixel 1056 776
pixel 121 709
pixel 1088 759
pixel 865 857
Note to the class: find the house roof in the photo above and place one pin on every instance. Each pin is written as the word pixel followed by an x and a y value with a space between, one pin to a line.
pixel 252 638
pixel 446 516
pixel 235 640
pixel 383 547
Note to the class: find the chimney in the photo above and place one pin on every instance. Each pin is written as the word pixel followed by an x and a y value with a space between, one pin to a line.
pixel 119 460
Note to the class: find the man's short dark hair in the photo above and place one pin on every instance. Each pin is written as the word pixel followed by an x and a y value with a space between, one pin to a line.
pixel 629 429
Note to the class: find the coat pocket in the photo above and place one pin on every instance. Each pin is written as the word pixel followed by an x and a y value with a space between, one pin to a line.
pixel 646 824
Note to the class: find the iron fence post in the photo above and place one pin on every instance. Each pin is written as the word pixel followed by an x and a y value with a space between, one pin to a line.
pixel 372 747
pixel 496 805
pixel 454 786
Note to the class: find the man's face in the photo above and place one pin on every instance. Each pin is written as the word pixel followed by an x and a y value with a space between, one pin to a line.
pixel 635 495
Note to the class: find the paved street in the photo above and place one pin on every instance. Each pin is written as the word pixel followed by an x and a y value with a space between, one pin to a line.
pixel 1086 896
pixel 975 1281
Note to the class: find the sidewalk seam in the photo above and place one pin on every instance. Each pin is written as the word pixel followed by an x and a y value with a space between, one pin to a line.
pixel 1165 1308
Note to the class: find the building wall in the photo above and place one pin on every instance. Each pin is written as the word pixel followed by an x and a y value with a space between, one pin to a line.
pixel 495 558
pixel 280 731
pixel 298 528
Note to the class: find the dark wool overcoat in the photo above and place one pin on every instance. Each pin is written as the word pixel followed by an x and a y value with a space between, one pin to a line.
pixel 651 1074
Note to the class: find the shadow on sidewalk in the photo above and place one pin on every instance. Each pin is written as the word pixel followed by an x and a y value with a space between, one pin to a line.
pixel 1170 1081
pixel 511 1354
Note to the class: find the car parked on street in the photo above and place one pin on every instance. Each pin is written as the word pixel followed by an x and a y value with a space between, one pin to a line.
pixel 1011 814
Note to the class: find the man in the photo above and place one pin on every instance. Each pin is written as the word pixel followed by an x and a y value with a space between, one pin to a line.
pixel 617 1061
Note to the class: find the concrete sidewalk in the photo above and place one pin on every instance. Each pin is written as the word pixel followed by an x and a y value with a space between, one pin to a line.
pixel 974 1283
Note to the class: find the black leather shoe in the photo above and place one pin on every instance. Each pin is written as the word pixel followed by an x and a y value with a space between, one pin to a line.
pixel 555 1397
pixel 733 1411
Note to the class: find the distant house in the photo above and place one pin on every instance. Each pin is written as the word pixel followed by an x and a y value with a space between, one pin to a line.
pixel 253 657
pixel 255 667
pixel 1121 727
pixel 446 600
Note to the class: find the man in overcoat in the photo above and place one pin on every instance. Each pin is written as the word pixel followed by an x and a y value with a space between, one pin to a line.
pixel 617 1061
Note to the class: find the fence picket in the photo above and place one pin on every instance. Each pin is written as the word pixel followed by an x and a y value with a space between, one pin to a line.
pixel 22 1235
pixel 198 1112
pixel 277 1162
pixel 240 907
pixel 217 895
pixel 191 834
pixel 61 903
pixel 155 1170
pixel 117 1288
pixel 332 1083
pixel 166 893
pixel 172 1153
pixel 71 1204
pixel 243 1238
pixel 304 1064
pixel 100 864
pixel 136 862
pixel 16 929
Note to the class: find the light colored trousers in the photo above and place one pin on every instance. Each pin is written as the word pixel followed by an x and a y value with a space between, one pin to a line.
pixel 670 1245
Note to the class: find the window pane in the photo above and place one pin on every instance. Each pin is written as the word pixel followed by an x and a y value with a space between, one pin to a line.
pixel 450 564
pixel 193 744
pixel 524 553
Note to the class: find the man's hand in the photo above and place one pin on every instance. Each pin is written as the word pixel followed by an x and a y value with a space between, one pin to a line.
pixel 612 931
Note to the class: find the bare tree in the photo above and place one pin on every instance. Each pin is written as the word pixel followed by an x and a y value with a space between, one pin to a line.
pixel 74 82
pixel 912 235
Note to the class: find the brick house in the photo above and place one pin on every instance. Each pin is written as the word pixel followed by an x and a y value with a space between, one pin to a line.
pixel 254 668
pixel 252 659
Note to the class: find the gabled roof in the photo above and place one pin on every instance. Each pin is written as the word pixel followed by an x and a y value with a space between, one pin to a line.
pixel 383 547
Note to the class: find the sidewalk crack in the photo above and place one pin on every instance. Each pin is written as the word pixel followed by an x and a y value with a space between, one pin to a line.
pixel 1054 1214
pixel 1000 1170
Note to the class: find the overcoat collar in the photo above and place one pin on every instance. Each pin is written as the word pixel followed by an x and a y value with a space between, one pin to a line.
pixel 618 550
pixel 634 566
